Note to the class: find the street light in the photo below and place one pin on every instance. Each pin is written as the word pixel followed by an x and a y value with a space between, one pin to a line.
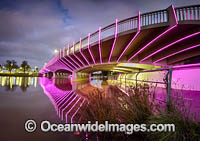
pixel 55 51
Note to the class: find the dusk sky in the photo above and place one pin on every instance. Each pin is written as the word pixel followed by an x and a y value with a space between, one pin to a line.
pixel 31 29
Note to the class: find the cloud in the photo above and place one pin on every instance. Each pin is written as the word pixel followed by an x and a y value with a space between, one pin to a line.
pixel 31 30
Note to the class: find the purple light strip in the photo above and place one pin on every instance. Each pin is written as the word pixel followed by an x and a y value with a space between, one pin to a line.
pixel 186 66
pixel 82 53
pixel 60 101
pixel 68 105
pixel 100 45
pixel 113 46
pixel 152 42
pixel 138 31
pixel 74 61
pixel 186 37
pixel 77 111
pixel 68 66
pixel 174 14
pixel 128 46
pixel 68 49
pixel 63 51
pixel 139 18
pixel 69 62
pixel 176 53
pixel 64 98
pixel 89 49
pixel 62 60
pixel 71 108
pixel 61 112
pixel 77 56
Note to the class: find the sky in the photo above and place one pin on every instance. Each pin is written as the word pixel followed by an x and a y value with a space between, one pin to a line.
pixel 31 29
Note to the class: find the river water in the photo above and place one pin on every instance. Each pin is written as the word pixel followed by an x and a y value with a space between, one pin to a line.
pixel 55 100
pixel 22 98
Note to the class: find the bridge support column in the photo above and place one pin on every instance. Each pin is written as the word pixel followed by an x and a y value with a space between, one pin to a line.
pixel 54 75
pixel 74 76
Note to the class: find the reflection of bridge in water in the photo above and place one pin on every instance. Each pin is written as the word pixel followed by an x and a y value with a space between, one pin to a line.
pixel 68 104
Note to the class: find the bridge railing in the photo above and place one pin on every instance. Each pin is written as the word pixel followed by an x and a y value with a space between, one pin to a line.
pixel 94 37
pixel 146 19
pixel 108 31
pixel 188 13
pixel 155 17
pixel 128 24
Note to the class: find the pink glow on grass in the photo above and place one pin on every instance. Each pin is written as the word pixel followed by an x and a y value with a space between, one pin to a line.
pixel 82 53
pixel 159 36
pixel 71 108
pixel 89 49
pixel 113 46
pixel 177 41
pixel 176 53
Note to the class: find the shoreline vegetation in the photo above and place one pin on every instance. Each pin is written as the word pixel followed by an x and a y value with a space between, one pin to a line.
pixel 140 107
pixel 19 74
pixel 11 68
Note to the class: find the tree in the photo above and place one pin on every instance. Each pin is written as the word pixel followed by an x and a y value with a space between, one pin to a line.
pixel 0 67
pixel 25 66
pixel 10 65
pixel 36 69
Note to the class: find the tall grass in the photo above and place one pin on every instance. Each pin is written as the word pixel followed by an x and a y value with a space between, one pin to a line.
pixel 186 126
pixel 139 107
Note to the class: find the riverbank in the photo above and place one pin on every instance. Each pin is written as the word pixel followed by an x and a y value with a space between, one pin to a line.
pixel 20 74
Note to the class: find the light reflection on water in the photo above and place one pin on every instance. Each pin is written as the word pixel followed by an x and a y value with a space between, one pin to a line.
pixel 22 98
pixel 10 83
pixel 61 92
pixel 64 96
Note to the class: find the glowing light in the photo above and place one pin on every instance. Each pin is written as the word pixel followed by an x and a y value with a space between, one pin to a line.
pixel 55 51
pixel 186 37
pixel 176 53
pixel 159 36
pixel 114 41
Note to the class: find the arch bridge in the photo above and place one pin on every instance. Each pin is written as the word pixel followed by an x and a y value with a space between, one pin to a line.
pixel 163 38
